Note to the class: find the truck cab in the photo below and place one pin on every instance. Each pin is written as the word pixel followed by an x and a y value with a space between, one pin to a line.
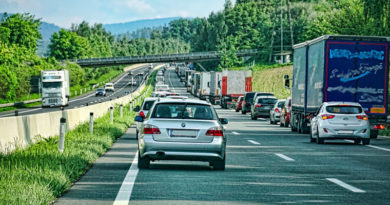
pixel 55 88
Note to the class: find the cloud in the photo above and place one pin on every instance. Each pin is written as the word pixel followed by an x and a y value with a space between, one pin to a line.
pixel 137 5
pixel 19 2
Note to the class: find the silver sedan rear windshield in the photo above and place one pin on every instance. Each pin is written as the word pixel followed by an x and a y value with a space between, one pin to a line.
pixel 344 109
pixel 266 101
pixel 183 111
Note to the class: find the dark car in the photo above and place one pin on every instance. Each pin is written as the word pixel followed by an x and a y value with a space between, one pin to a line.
pixel 100 92
pixel 239 103
pixel 247 103
pixel 262 106
pixel 226 101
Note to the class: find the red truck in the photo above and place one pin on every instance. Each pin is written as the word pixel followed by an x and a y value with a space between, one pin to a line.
pixel 234 85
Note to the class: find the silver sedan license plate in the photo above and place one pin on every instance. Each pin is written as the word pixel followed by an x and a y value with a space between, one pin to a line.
pixel 183 133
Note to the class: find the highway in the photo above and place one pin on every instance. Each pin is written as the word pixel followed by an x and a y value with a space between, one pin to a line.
pixel 266 164
pixel 121 88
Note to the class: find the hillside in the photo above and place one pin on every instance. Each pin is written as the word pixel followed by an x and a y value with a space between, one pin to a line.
pixel 46 29
pixel 272 80
pixel 120 28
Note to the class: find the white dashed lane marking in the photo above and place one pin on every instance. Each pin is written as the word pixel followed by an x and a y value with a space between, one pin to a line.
pixel 254 142
pixel 345 185
pixel 284 157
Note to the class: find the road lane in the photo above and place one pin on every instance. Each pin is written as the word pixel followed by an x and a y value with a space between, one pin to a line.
pixel 120 85
pixel 284 168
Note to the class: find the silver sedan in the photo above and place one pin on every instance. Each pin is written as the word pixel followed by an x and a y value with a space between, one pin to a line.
pixel 340 120
pixel 182 129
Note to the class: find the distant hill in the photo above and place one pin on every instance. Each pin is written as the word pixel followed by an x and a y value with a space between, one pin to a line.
pixel 132 28
pixel 47 30
pixel 129 27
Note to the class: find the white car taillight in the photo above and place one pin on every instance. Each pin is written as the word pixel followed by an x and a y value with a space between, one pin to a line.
pixel 362 117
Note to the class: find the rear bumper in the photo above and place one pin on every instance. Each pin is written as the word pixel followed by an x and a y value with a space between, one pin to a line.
pixel 156 150
pixel 262 113
pixel 334 132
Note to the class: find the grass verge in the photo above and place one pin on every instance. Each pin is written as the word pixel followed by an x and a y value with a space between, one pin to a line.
pixel 104 78
pixel 272 80
pixel 40 173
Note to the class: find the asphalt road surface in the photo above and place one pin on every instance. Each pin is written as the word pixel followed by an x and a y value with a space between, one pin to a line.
pixel 120 85
pixel 265 164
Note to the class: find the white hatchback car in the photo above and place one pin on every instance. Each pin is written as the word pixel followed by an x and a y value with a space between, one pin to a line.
pixel 340 120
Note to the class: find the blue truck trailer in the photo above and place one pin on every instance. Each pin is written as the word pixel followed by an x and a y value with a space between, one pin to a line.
pixel 340 68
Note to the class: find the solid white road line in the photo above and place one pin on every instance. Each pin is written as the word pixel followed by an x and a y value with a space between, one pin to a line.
pixel 235 133
pixel 284 157
pixel 380 148
pixel 345 185
pixel 372 146
pixel 253 142
pixel 124 194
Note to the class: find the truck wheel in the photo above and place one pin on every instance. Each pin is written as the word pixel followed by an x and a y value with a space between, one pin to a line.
pixel 357 141
pixel 299 127
pixel 293 129
pixel 374 134
pixel 366 141
pixel 253 117
pixel 143 162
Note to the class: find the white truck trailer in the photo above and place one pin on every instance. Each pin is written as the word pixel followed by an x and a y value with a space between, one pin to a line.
pixel 55 88
pixel 188 80
pixel 215 87
pixel 204 85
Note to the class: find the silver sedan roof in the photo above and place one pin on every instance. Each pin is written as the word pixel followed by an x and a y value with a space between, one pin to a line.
pixel 194 101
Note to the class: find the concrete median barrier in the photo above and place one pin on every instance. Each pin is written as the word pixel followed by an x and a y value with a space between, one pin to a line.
pixel 21 131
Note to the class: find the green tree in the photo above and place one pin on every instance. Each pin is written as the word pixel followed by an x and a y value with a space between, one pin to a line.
pixel 68 45
pixel 20 29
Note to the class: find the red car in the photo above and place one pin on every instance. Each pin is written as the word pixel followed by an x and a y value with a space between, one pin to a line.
pixel 286 113
pixel 239 103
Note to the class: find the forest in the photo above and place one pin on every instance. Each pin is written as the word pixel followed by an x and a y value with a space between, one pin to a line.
pixel 247 24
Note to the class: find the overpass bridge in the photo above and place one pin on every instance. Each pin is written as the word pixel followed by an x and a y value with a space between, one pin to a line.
pixel 185 57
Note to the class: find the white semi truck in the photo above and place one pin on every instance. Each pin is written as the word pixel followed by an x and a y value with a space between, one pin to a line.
pixel 55 88
pixel 204 85
pixel 215 87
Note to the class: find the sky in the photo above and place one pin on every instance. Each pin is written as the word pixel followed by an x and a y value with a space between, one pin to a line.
pixel 65 12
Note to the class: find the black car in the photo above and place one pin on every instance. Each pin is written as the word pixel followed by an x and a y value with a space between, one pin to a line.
pixel 247 103
pixel 226 101
pixel 100 92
